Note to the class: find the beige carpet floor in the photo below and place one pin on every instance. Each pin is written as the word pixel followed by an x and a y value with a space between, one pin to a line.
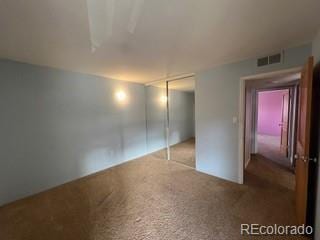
pixel 148 198
pixel 271 171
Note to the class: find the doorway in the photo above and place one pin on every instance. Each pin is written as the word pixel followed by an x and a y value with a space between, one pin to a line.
pixel 270 127
pixel 299 139
pixel 273 122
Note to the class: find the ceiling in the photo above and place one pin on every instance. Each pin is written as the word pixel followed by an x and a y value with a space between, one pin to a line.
pixel 145 40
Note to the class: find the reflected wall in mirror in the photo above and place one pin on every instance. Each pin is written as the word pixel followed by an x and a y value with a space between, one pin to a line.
pixel 182 121
pixel 156 114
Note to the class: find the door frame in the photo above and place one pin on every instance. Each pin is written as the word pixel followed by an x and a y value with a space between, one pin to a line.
pixel 242 101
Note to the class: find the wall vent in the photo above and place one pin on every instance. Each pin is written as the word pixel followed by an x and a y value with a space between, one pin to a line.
pixel 263 61
pixel 268 60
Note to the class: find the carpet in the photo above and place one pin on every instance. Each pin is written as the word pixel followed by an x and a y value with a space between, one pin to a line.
pixel 148 198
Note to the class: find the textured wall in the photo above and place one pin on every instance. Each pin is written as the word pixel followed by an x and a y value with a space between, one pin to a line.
pixel 57 126
pixel 270 112
pixel 217 103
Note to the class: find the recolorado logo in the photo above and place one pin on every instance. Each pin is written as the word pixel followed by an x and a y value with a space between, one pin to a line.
pixel 257 229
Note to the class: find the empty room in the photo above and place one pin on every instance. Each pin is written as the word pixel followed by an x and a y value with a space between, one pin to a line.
pixel 149 119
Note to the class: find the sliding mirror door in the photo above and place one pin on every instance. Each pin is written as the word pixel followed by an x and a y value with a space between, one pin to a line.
pixel 182 121
pixel 156 111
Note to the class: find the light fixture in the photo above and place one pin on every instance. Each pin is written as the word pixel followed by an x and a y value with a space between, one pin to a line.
pixel 121 96
pixel 163 99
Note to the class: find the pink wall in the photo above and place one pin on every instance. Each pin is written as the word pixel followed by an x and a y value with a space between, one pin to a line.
pixel 269 112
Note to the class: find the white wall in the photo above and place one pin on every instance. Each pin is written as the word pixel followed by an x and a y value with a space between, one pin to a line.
pixel 57 126
pixel 217 102
pixel 316 54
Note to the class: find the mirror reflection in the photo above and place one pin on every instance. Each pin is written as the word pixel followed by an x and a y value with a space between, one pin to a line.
pixel 182 121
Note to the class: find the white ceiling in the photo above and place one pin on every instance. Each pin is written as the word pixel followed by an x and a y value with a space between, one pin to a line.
pixel 145 40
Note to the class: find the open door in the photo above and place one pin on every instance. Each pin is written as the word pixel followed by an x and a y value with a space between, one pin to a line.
pixel 303 141
pixel 284 124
